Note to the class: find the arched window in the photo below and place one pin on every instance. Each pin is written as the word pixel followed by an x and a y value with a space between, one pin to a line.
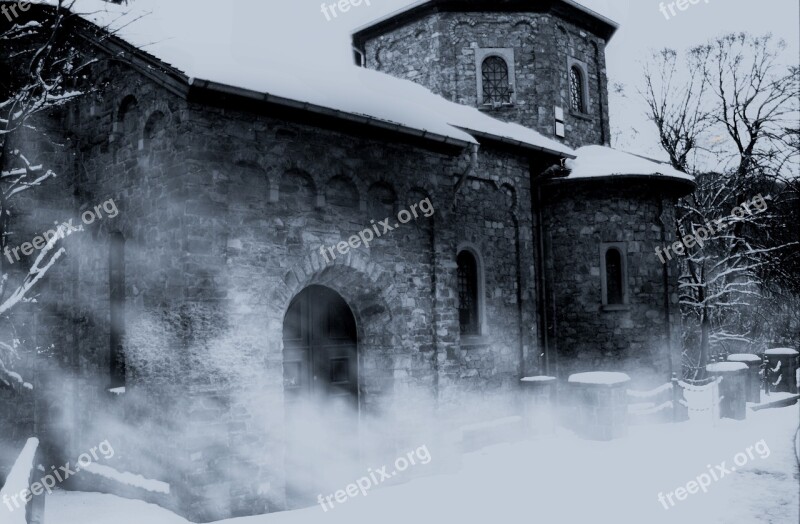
pixel 116 279
pixel 614 276
pixel 576 89
pixel 496 84
pixel 468 294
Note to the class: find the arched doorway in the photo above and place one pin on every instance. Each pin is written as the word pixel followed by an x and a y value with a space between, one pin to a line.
pixel 320 382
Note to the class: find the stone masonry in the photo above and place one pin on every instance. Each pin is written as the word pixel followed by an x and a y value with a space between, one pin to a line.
pixel 224 204
pixel 438 51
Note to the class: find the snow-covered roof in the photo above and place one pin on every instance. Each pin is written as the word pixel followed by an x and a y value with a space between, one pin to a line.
pixel 781 351
pixel 538 378
pixel 186 35
pixel 743 357
pixel 723 367
pixel 601 161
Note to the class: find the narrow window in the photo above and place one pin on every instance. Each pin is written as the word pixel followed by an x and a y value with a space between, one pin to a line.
pixel 116 279
pixel 468 305
pixel 496 86
pixel 576 89
pixel 614 277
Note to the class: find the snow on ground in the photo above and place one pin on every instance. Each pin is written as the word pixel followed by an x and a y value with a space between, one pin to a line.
pixel 725 366
pixel 67 507
pixel 129 479
pixel 557 479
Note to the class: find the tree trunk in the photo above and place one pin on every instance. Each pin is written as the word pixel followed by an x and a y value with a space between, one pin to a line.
pixel 705 330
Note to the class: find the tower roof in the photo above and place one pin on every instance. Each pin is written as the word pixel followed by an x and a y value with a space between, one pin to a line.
pixel 566 9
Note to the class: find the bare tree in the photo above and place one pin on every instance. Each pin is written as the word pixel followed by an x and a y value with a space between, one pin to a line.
pixel 677 105
pixel 44 68
pixel 724 113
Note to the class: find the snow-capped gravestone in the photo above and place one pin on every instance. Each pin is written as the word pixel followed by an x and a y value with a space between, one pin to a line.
pixel 537 401
pixel 782 365
pixel 753 363
pixel 732 389
pixel 601 404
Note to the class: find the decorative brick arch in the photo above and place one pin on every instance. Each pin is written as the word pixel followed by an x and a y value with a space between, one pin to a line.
pixel 316 197
pixel 423 188
pixel 376 176
pixel 157 120
pixel 379 55
pixel 152 109
pixel 252 160
pixel 531 36
pixel 366 287
pixel 374 190
pixel 358 186
pixel 562 37
pixel 127 111
pixel 454 26
pixel 523 20
pixel 508 188
pixel 383 344
pixel 308 169
pixel 128 103
pixel 248 156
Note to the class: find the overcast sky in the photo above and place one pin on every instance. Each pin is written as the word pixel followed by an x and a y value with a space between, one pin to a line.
pixel 298 30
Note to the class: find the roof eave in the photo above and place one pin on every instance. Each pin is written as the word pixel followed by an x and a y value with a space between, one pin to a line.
pixel 524 146
pixel 180 84
pixel 686 185
pixel 603 26
pixel 198 83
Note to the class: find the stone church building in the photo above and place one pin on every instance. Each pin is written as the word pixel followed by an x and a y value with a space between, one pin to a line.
pixel 198 328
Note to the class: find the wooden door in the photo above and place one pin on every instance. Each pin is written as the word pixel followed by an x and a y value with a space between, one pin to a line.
pixel 320 373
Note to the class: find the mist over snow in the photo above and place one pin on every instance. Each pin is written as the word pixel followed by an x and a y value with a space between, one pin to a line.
pixel 591 320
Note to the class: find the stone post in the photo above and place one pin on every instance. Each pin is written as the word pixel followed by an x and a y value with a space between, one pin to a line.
pixel 537 404
pixel 788 360
pixel 732 389
pixel 36 508
pixel 602 404
pixel 680 413
pixel 753 363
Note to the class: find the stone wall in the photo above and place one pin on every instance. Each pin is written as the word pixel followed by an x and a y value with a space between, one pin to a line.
pixel 224 213
pixel 585 336
pixel 438 51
